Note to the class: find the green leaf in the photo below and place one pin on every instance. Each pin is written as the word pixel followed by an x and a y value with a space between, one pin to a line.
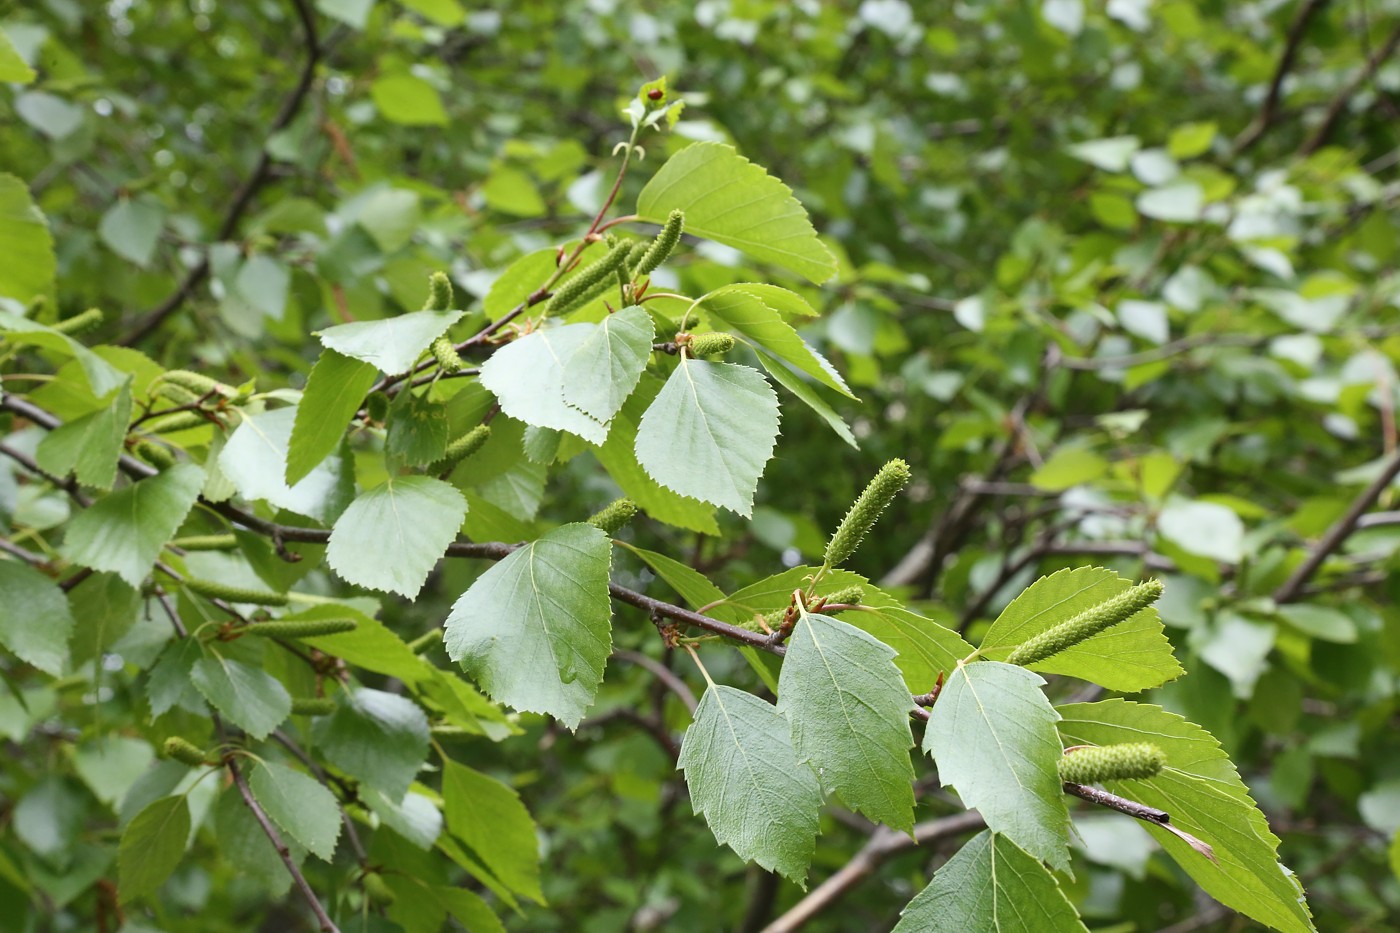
pixel 393 535
pixel 1206 798
pixel 728 199
pixel 619 458
pixel 379 738
pixel 390 216
pixel 924 647
pixel 393 344
pixel 104 609
pixel 693 585
pixel 89 446
pixel 254 460
pixel 1325 623
pixel 849 709
pixel 604 369
pixel 353 13
pixel 710 433
pixel 131 229
pixel 300 805
pixel 334 391
pixel 419 429
pixel 124 531
pixel 35 622
pixel 111 764
pixel 416 817
pixel 1069 466
pixel 251 698
pixel 511 190
pixel 991 886
pixel 745 777
pixel 1207 529
pixel 152 846
pixel 1131 656
pixel 527 376
pixel 806 395
pixel 488 816
pixel 25 242
pixel 408 101
pixel 519 280
pixel 740 308
pixel 102 376
pixel 169 683
pixel 992 735
pixel 535 630
pixel 13 68
pixel 245 847
pixel 370 645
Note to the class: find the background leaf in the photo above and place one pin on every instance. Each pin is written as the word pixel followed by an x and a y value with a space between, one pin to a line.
pixel 393 535
pixel 379 738
pixel 152 846
pixel 334 391
pixel 300 805
pixel 252 699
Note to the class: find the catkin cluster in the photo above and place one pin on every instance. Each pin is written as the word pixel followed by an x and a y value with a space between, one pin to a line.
pixel 1087 624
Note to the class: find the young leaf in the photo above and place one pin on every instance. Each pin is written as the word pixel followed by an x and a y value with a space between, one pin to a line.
pixel 419 429
pixel 393 344
pixel 728 199
pixel 1131 656
pixel 89 446
pixel 806 394
pixel 535 630
pixel 604 369
pixel 255 461
pixel 152 846
pixel 710 433
pixel 124 531
pixel 745 777
pixel 527 376
pixel 35 621
pixel 334 390
pixel 300 805
pixel 992 735
pixel 1206 798
pixel 488 816
pixel 392 536
pixel 849 709
pixel 380 738
pixel 993 886
pixel 251 698
pixel 741 309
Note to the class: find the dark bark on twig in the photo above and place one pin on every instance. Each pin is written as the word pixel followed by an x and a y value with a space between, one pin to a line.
pixel 1339 103
pixel 243 197
pixel 1269 112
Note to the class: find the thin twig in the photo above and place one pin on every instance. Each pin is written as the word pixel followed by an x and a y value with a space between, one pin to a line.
pixel 1289 590
pixel 1334 110
pixel 1268 113
pixel 662 673
pixel 243 197
pixel 28 556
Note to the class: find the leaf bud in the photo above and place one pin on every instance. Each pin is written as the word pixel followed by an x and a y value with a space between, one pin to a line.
pixel 1087 624
pixel 661 247
pixel 300 628
pixel 615 516
pixel 893 477
pixel 1095 764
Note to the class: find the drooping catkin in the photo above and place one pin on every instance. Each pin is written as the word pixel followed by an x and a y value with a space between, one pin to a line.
pixel 462 448
pixel 1098 763
pixel 79 323
pixel 1087 624
pixel 711 344
pixel 661 247
pixel 427 640
pixel 579 288
pixel 184 751
pixel 613 517
pixel 300 628
pixel 198 383
pixel 893 477
pixel 206 543
pixel 235 594
pixel 154 454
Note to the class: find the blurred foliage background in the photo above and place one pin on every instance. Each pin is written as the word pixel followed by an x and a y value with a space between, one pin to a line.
pixel 1118 280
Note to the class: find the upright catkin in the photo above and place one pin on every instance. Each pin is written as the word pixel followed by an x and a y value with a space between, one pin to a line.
pixel 580 287
pixel 1098 763
pixel 1087 624
pixel 893 477
pixel 661 247
pixel 462 448
pixel 613 517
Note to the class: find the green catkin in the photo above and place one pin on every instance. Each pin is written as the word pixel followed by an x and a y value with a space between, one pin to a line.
pixel 711 344
pixel 580 288
pixel 462 448
pixel 377 406
pixel 446 354
pixel 661 247
pixel 184 751
pixel 1098 763
pixel 300 628
pixel 79 323
pixel 426 641
pixel 180 421
pixel 154 454
pixel 312 706
pixel 197 383
pixel 614 517
pixel 176 393
pixel 893 477
pixel 206 543
pixel 235 594
pixel 847 596
pixel 1087 624
pixel 439 293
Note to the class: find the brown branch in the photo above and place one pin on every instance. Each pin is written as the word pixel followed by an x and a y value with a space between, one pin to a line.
pixel 28 556
pixel 1291 588
pixel 243 197
pixel 1122 804
pixel 1163 352
pixel 327 924
pixel 1334 110
pixel 1268 113
pixel 662 673
pixel 884 842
